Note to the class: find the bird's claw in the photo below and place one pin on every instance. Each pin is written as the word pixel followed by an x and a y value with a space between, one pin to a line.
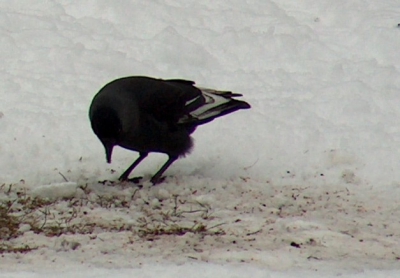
pixel 157 180
pixel 135 179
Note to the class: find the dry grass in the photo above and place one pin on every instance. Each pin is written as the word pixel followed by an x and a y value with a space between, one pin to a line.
pixel 20 212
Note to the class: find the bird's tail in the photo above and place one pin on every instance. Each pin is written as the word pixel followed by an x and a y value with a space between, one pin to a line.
pixel 214 104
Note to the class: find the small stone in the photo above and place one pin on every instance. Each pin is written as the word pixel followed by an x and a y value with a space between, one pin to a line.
pixel 155 203
pixel 294 244
pixel 162 194
pixel 24 228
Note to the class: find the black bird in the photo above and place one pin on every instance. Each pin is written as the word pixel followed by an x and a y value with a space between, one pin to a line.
pixel 145 114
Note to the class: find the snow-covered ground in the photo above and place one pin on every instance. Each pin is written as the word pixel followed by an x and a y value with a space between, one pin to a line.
pixel 305 184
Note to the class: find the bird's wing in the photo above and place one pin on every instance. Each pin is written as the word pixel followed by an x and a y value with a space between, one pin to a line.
pixel 215 104
pixel 177 101
pixel 169 100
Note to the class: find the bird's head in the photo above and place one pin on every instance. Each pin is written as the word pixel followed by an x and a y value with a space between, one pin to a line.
pixel 107 125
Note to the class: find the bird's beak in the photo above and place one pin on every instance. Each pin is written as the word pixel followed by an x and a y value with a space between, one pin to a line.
pixel 109 149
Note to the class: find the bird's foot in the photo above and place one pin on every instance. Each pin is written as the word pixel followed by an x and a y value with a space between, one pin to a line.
pixel 135 180
pixel 157 180
pixel 125 177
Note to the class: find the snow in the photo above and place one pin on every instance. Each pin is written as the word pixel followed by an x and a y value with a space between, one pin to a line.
pixel 304 184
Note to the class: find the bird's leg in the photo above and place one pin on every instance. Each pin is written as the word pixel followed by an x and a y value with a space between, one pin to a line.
pixel 157 177
pixel 125 175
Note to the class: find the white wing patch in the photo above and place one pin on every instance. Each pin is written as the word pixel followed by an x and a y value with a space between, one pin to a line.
pixel 191 101
pixel 211 101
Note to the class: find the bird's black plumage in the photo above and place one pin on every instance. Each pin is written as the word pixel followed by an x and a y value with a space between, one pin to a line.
pixel 146 115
